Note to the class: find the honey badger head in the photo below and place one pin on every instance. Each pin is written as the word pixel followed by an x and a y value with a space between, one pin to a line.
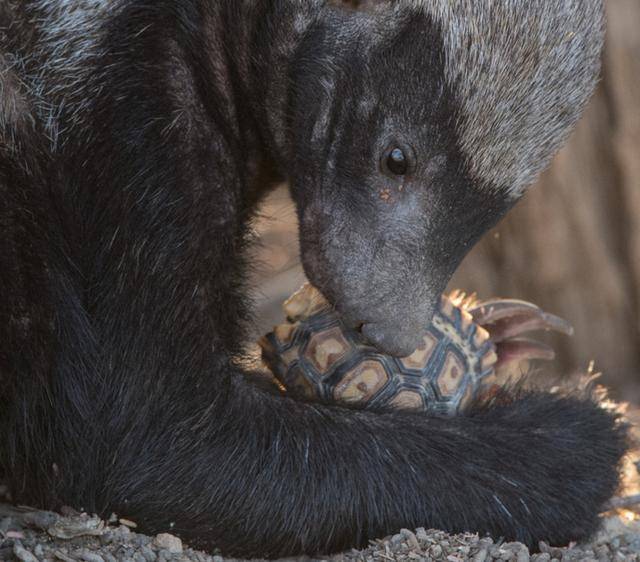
pixel 416 126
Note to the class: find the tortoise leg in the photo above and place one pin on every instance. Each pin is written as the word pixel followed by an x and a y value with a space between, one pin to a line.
pixel 507 321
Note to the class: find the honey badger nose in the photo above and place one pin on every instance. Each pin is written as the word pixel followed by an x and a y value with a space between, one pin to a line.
pixel 394 340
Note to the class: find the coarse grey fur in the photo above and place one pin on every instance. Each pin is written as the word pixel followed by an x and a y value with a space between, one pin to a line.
pixel 522 72
pixel 56 59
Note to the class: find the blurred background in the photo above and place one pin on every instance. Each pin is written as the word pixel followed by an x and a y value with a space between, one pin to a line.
pixel 571 246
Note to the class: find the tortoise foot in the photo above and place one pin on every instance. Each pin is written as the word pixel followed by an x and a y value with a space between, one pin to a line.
pixel 509 322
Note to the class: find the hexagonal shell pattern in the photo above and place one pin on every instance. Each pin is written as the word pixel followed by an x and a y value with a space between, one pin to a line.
pixel 362 383
pixel 325 349
pixel 451 376
pixel 421 356
pixel 407 400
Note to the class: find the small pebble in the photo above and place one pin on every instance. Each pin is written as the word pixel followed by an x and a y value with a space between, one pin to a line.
pixel 148 554
pixel 411 539
pixel 62 555
pixel 542 557
pixel 23 554
pixel 634 545
pixel 552 550
pixel 89 556
pixel 481 555
pixel 615 542
pixel 140 540
pixel 602 552
pixel 168 542
pixel 421 534
pixel 14 535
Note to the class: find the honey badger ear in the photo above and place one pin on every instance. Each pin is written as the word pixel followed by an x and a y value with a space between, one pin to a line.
pixel 521 74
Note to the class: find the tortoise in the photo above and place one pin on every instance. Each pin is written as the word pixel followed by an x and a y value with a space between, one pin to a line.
pixel 469 351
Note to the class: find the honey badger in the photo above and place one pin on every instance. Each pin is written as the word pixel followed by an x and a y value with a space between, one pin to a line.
pixel 137 137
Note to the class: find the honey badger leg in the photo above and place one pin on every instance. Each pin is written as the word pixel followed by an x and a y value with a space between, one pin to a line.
pixel 306 478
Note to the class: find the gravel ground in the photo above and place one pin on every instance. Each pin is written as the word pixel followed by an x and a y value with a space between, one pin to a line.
pixel 38 536
pixel 31 536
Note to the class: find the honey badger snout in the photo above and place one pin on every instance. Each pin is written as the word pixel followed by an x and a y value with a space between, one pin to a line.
pixel 392 313
pixel 387 290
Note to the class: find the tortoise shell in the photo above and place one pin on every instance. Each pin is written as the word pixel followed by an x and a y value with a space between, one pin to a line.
pixel 315 356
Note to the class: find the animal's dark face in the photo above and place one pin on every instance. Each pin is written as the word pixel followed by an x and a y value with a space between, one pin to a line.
pixel 386 206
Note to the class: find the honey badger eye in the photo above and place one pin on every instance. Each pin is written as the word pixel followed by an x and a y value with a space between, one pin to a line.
pixel 396 160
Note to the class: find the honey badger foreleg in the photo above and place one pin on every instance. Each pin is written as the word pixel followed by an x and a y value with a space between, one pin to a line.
pixel 123 397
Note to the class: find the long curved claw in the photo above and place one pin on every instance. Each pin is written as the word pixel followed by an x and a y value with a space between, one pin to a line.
pixel 507 321
pixel 509 318
pixel 516 326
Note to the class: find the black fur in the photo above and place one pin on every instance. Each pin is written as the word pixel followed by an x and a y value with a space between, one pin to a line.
pixel 126 185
